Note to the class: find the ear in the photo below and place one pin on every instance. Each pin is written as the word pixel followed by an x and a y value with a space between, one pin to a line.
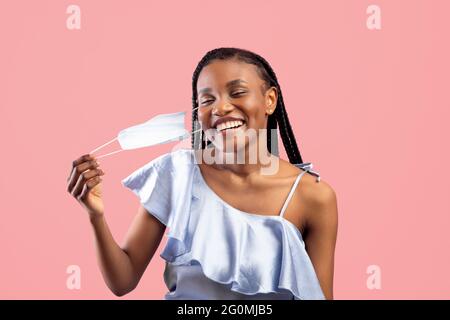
pixel 271 98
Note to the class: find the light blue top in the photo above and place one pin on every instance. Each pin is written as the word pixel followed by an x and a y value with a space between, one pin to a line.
pixel 215 251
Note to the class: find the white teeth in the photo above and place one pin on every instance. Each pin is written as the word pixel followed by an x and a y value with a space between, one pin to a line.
pixel 229 124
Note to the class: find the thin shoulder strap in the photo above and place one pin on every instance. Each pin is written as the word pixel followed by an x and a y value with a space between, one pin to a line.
pixel 306 168
pixel 291 193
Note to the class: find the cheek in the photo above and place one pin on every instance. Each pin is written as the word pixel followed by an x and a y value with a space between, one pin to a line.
pixel 254 106
pixel 255 111
pixel 203 117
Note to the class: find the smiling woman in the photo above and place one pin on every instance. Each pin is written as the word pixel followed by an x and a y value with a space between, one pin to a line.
pixel 235 91
pixel 235 232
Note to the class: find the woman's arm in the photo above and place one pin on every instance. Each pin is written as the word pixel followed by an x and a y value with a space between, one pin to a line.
pixel 122 267
pixel 321 232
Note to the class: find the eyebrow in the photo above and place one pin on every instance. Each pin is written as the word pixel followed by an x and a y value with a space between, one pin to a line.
pixel 229 84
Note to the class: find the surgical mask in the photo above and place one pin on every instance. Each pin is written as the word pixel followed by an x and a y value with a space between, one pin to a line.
pixel 163 128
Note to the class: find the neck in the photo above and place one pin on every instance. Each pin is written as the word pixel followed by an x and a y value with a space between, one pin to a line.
pixel 240 163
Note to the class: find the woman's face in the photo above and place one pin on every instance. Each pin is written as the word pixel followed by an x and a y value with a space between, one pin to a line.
pixel 231 88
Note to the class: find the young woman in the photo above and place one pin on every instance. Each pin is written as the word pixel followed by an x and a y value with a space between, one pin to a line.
pixel 235 230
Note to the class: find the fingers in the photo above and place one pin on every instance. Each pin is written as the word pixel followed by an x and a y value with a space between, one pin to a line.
pixel 77 162
pixel 83 169
pixel 83 179
pixel 78 170
pixel 83 158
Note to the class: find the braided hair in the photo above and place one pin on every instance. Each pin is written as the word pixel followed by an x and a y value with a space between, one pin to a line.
pixel 279 117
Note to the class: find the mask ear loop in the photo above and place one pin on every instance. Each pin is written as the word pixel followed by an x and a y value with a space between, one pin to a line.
pixel 103 145
pixel 117 151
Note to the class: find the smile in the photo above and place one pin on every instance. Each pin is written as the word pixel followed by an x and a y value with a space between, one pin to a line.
pixel 230 125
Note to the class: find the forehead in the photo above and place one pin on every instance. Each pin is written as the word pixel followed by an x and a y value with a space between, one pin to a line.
pixel 219 72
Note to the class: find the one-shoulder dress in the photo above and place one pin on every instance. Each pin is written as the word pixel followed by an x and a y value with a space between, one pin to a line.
pixel 215 251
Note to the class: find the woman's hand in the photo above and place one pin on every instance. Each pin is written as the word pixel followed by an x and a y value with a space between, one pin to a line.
pixel 84 184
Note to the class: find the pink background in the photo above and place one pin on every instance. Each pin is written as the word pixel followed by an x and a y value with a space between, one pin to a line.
pixel 369 108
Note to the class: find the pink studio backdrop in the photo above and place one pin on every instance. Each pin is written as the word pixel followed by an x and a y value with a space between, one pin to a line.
pixel 369 108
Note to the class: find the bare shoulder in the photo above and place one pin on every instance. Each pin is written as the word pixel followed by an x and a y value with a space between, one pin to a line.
pixel 316 193
pixel 320 201
pixel 312 192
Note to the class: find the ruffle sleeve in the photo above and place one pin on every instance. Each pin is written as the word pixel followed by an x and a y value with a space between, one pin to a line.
pixel 151 183
pixel 163 187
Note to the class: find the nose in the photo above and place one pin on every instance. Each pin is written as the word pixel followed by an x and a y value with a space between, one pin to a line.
pixel 222 108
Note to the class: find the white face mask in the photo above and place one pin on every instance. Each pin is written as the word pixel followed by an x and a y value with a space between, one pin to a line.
pixel 160 129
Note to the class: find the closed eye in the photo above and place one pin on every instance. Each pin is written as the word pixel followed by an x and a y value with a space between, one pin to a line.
pixel 237 93
pixel 206 101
